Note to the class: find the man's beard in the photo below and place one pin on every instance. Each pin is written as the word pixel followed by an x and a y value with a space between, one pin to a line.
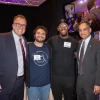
pixel 64 35
pixel 40 41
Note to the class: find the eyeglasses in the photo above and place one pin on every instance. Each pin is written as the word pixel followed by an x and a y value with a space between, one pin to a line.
pixel 85 29
pixel 63 26
pixel 19 25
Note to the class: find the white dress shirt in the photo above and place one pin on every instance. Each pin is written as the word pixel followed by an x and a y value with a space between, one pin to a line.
pixel 19 53
pixel 86 44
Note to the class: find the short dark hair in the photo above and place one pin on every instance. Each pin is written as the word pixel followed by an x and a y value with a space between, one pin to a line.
pixel 86 22
pixel 63 21
pixel 40 27
pixel 20 16
pixel 90 4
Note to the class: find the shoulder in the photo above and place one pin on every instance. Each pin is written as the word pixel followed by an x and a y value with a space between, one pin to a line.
pixel 73 40
pixel 30 44
pixel 95 9
pixel 5 34
pixel 53 38
pixel 80 41
pixel 96 41
pixel 47 45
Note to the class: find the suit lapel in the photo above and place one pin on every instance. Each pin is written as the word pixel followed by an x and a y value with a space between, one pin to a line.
pixel 79 49
pixel 88 48
pixel 26 46
pixel 12 44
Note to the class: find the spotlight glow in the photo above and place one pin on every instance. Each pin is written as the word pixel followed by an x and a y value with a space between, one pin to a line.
pixel 81 2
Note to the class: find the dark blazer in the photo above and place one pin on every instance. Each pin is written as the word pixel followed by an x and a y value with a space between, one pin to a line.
pixel 95 13
pixel 91 65
pixel 8 62
pixel 95 16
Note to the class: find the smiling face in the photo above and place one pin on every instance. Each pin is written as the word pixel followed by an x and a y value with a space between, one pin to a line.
pixel 84 30
pixel 19 26
pixel 40 35
pixel 63 29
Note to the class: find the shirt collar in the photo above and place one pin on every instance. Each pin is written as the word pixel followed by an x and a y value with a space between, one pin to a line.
pixel 87 40
pixel 16 37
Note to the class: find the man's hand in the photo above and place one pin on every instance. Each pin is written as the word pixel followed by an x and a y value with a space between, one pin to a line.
pixel 96 89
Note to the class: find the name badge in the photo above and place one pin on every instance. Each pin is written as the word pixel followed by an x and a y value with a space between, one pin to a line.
pixel 67 44
pixel 37 57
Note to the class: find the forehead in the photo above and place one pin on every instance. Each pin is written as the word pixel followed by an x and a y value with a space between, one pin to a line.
pixel 63 24
pixel 83 25
pixel 18 19
pixel 40 30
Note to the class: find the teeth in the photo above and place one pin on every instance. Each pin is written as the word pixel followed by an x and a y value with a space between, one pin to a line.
pixel 19 30
pixel 63 31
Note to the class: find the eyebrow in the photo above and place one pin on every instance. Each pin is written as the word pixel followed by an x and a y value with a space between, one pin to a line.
pixel 84 28
pixel 63 25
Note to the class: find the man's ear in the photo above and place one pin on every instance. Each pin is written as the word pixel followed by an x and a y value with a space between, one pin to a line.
pixel 68 27
pixel 58 28
pixel 34 36
pixel 90 29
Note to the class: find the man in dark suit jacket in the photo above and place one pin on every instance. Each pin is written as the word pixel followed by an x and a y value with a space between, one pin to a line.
pixel 93 9
pixel 94 15
pixel 88 82
pixel 12 60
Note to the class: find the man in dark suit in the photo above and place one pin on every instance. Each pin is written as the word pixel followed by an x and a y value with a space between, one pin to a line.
pixel 88 82
pixel 93 9
pixel 94 15
pixel 13 54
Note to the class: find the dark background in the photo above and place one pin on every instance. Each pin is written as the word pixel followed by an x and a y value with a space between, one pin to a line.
pixel 48 14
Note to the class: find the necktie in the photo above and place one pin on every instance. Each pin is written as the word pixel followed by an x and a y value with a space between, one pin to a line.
pixel 23 54
pixel 81 58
